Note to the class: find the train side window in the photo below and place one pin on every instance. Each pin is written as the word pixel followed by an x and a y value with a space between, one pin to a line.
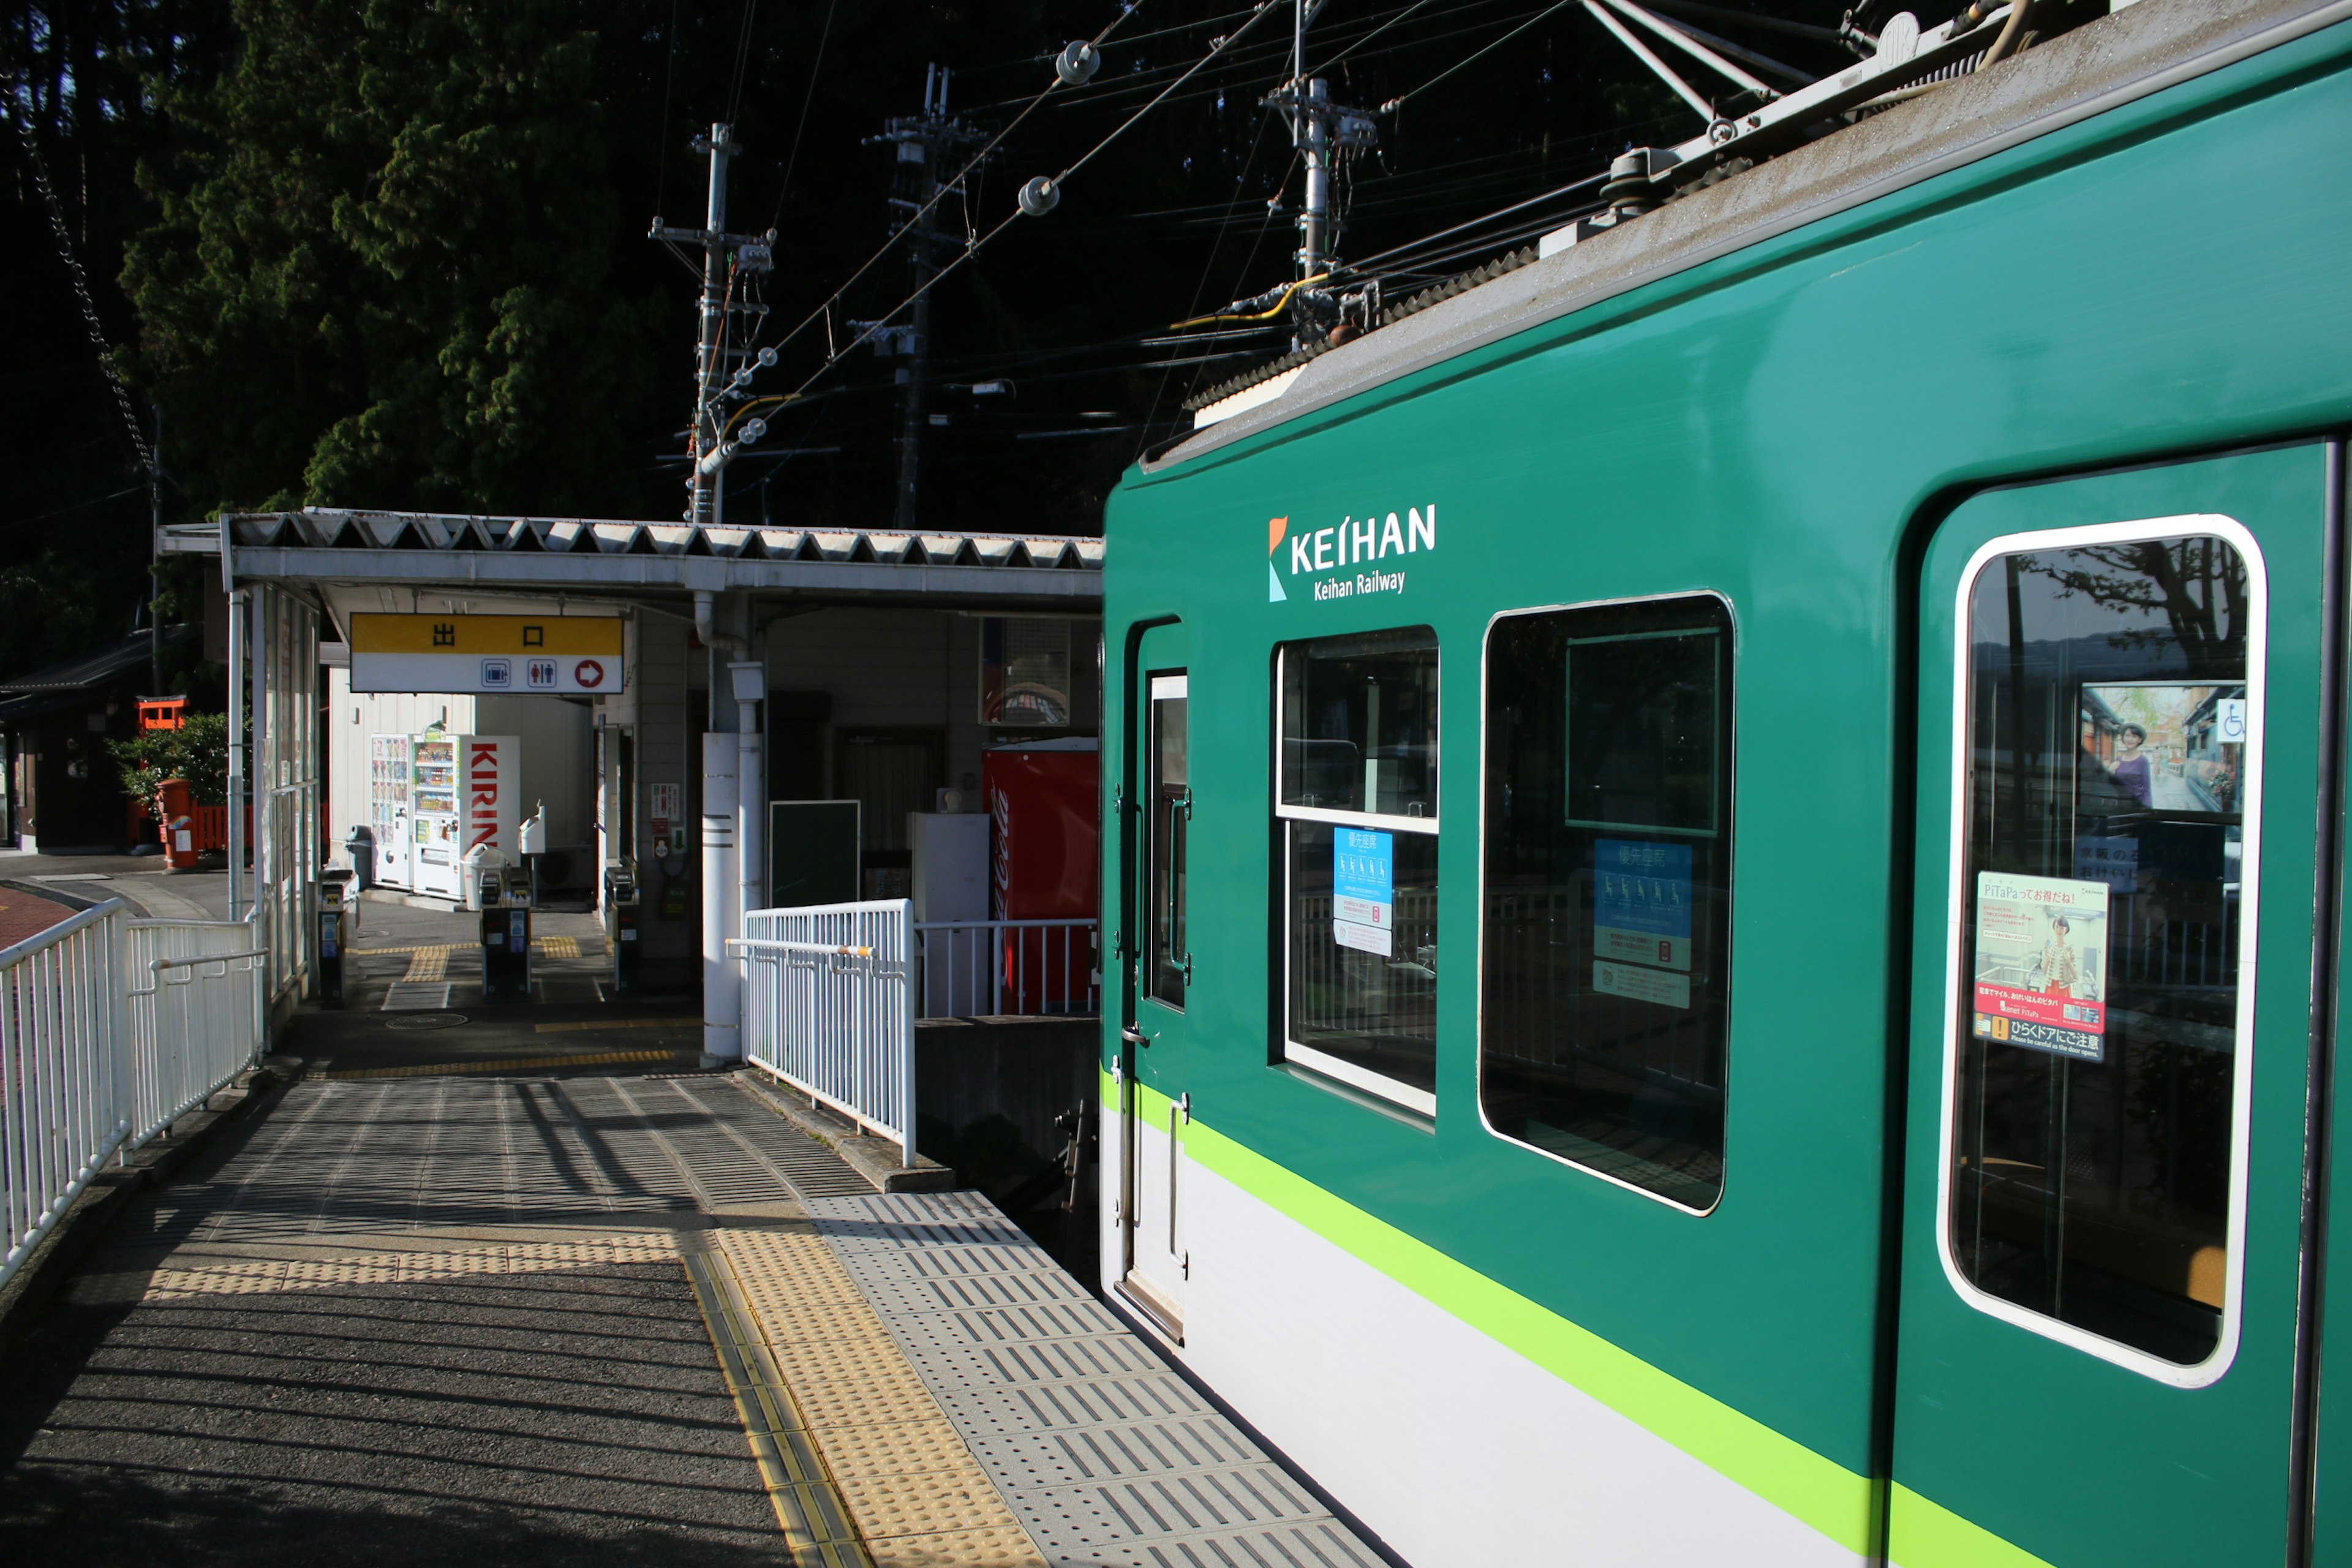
pixel 1607 901
pixel 2100 1012
pixel 1356 816
pixel 1170 822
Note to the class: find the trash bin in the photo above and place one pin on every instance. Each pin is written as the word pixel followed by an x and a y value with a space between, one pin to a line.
pixel 360 847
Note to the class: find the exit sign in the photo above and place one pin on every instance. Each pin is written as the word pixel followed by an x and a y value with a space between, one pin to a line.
pixel 554 656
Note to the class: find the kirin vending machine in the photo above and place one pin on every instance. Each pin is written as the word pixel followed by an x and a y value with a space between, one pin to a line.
pixel 1044 805
pixel 391 764
pixel 466 794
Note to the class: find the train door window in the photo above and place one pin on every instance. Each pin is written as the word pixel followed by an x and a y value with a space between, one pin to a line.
pixel 1357 829
pixel 2101 989
pixel 1607 918
pixel 1172 817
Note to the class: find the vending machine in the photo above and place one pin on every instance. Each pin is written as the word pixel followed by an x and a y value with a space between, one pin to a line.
pixel 390 766
pixel 1044 864
pixel 466 793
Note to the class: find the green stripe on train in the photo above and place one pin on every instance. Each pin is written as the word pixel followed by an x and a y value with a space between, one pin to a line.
pixel 1821 1492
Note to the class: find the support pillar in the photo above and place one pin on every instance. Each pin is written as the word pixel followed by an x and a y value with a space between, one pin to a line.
pixel 722 1031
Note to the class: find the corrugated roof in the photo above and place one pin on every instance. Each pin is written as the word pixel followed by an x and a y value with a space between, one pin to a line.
pixel 335 529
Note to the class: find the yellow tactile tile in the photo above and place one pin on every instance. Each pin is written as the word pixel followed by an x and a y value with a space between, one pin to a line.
pixel 916 1494
pixel 983 1548
pixel 798 1322
pixel 901 1448
pixel 830 1405
pixel 925 1503
pixel 421 1265
pixel 869 1362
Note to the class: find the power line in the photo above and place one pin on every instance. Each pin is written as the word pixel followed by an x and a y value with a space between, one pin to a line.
pixel 1054 185
pixel 742 58
pixel 669 75
pixel 807 98
pixel 1392 105
pixel 20 99
pixel 922 212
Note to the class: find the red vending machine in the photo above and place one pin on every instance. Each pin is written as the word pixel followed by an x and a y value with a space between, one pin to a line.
pixel 1045 863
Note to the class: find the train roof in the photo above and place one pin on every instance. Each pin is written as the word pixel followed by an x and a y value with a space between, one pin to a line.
pixel 2099 66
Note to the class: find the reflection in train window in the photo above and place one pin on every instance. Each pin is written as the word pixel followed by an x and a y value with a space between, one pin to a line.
pixel 2107 719
pixel 1171 821
pixel 1608 890
pixel 1356 820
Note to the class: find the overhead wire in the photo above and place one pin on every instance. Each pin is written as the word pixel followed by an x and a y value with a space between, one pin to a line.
pixel 742 58
pixel 1392 105
pixel 975 246
pixel 18 110
pixel 817 68
pixel 669 75
pixel 823 311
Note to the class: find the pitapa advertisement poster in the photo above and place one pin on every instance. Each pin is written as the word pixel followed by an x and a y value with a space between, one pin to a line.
pixel 2041 963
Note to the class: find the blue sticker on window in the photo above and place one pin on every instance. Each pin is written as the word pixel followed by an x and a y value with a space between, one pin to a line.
pixel 1364 889
pixel 1641 902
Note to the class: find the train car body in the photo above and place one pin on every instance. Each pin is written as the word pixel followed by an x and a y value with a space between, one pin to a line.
pixel 1726 871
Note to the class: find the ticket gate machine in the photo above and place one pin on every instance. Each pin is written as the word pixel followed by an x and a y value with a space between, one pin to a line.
pixel 338 917
pixel 623 906
pixel 503 893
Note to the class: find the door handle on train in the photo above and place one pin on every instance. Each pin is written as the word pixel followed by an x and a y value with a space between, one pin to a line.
pixel 1134 1037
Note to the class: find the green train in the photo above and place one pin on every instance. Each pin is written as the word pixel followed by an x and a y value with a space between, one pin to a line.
pixel 1727 866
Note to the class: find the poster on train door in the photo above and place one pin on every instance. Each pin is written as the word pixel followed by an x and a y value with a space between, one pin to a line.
pixel 1363 890
pixel 2042 964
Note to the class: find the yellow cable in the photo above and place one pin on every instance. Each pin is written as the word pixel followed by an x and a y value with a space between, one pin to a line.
pixel 1266 315
pixel 755 403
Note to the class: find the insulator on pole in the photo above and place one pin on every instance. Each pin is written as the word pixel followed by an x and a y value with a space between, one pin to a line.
pixel 1040 196
pixel 1077 62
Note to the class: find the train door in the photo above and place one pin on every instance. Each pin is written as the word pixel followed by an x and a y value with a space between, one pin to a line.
pixel 1154 1103
pixel 2121 738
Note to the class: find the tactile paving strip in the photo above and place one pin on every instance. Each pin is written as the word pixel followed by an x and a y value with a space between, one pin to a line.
pixel 1106 1455
pixel 255 1276
pixel 902 1472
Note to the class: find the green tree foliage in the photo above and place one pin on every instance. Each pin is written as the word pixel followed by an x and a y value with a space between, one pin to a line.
pixel 382 274
pixel 196 752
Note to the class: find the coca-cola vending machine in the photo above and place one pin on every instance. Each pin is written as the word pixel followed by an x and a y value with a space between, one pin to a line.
pixel 1044 802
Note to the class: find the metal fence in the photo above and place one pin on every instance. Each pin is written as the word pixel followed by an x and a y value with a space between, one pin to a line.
pixel 987 967
pixel 198 1015
pixel 111 1028
pixel 829 1007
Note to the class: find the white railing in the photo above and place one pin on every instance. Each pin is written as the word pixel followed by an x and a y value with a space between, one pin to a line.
pixel 972 968
pixel 828 1009
pixel 62 1106
pixel 111 1028
pixel 198 1015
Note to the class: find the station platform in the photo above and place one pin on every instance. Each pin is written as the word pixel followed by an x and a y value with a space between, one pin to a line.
pixel 536 1316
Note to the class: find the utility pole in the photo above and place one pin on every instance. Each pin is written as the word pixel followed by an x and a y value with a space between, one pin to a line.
pixel 727 260
pixel 1321 130
pixel 923 141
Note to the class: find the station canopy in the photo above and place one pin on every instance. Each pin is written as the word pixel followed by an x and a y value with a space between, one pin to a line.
pixel 405 560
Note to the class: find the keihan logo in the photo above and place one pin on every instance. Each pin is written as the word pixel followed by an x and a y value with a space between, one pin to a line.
pixel 1353 542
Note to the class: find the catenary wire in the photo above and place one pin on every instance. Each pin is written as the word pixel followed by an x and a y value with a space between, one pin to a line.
pixel 816 69
pixel 19 110
pixel 937 196
pixel 976 246
pixel 1393 104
